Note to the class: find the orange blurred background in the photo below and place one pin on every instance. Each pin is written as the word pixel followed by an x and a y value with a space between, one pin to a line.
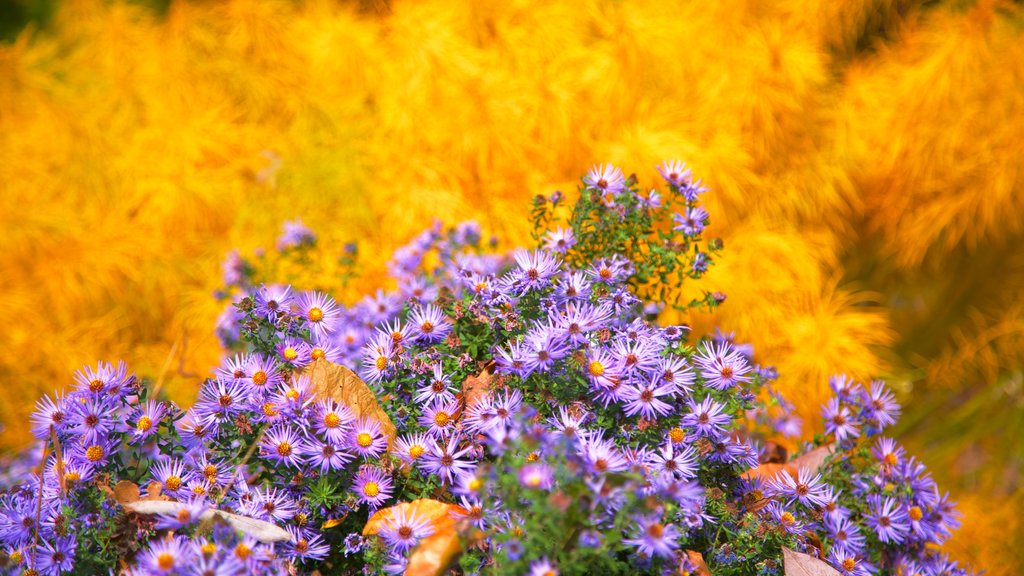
pixel 864 158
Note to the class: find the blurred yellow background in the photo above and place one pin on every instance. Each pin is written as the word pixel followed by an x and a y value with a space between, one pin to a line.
pixel 865 160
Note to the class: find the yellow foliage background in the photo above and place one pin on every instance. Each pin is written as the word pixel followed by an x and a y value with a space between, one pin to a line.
pixel 865 158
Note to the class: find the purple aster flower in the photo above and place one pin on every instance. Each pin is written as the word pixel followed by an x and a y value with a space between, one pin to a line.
pixel 887 518
pixel 707 418
pixel 673 370
pixel 559 240
pixel 430 324
pixel 677 462
pixel 722 367
pixel 332 420
pixel 653 538
pixel 367 439
pixel 320 312
pixel 806 489
pixel 645 400
pixel 398 332
pixel 506 405
pixel 418 290
pixel 272 301
pixel 295 234
pixel 104 379
pixel 511 361
pixel 187 514
pixel 323 348
pixel 573 287
pixel 604 374
pixel 675 173
pixel 845 388
pixel 295 397
pixel 692 222
pixel 49 413
pixel 303 546
pixel 480 416
pixel 222 399
pixel 437 387
pixel 536 267
pixel 569 422
pixel 880 405
pixel 55 557
pixel 213 471
pixel 845 534
pixel 605 179
pixel 92 420
pixel 372 486
pixel 849 563
pixel 148 420
pixel 353 543
pixel 172 475
pixel 411 447
pixel 542 347
pixel 445 460
pixel 889 454
pixel 195 430
pixel 166 556
pixel 439 418
pixel 326 454
pixel 635 355
pixel 294 351
pixel 271 504
pixel 785 518
pixel 377 358
pixel 263 372
pixel 542 567
pixel 404 529
pixel 839 421
pixel 537 476
pixel 601 455
pixel 283 445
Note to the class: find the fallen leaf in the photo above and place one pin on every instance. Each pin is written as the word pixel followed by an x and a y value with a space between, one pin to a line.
pixel 435 552
pixel 799 564
pixel 698 559
pixel 330 380
pixel 477 388
pixel 126 492
pixel 774 453
pixel 813 459
pixel 768 471
pixel 263 531
pixel 332 522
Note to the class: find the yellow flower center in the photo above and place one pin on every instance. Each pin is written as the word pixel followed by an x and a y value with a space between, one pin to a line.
pixel 475 484
pixel 165 561
pixel 532 457
pixel 891 459
pixel 787 518
pixel 849 564
pixel 95 385
pixel 292 394
pixel 331 420
pixel 370 489
pixel 915 513
pixel 284 449
pixel 184 515
pixel 199 490
pixel 72 476
pixel 259 378
pixel 415 451
pixel 381 363
pixel 596 368
pixel 676 435
pixel 16 557
pixel 442 418
pixel 269 409
pixel 94 453
pixel 427 326
pixel 209 548
pixel 315 314
pixel 655 530
pixel 317 354
pixel 242 551
pixel 144 424
pixel 172 483
pixel 364 440
pixel 290 354
pixel 210 472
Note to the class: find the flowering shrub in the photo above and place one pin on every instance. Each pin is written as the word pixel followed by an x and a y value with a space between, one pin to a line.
pixel 517 414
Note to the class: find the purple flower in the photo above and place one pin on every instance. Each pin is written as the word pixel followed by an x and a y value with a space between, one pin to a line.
pixel 675 173
pixel 887 519
pixel 377 358
pixel 537 476
pixel 222 399
pixel 601 455
pixel 581 319
pixel 320 312
pixel 806 489
pixel 271 504
pixel 410 448
pixel 838 421
pixel 880 405
pixel 678 463
pixel 559 240
pixel 445 460
pixel 845 534
pixel 294 351
pixel 332 420
pixel 93 419
pixel 674 371
pixel 652 538
pixel 567 425
pixel 437 387
pixel 282 444
pixel 536 267
pixel 56 557
pixel 850 563
pixel 722 367
pixel 404 528
pixel 605 179
pixel 439 418
pixel 104 379
pixel 326 454
pixel 430 324
pixel 692 222
pixel 187 514
pixel 889 454
pixel 295 234
pixel 167 556
pixel 707 418
pixel 573 286
pixel 49 413
pixel 645 400
pixel 303 546
pixel 272 301
pixel 172 475
pixel 372 486
pixel 367 438
pixel 542 567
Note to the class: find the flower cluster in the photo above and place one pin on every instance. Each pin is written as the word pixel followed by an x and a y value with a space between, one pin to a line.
pixel 531 394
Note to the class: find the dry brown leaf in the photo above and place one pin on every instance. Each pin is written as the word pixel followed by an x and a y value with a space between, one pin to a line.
pixel 126 492
pixel 476 388
pixel 813 459
pixel 769 471
pixel 330 380
pixel 698 559
pixel 258 529
pixel 434 553
pixel 799 564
